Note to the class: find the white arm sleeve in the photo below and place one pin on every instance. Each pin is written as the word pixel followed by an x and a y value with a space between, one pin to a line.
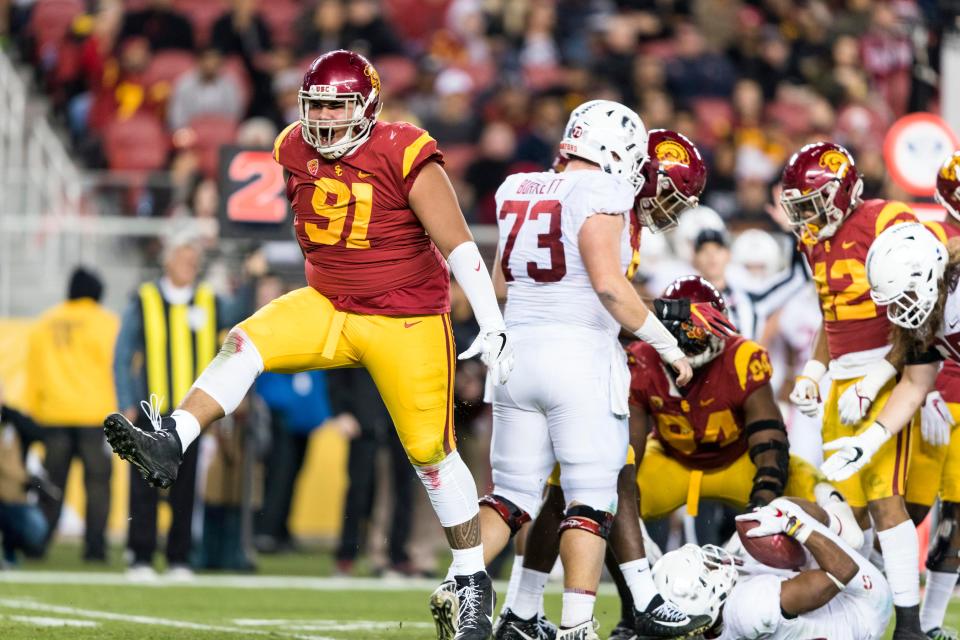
pixel 472 275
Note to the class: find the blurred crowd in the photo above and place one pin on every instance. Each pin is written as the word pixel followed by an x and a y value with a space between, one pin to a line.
pixel 149 89
pixel 157 86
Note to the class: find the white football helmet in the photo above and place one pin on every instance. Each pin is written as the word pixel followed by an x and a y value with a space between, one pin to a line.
pixel 905 265
pixel 758 252
pixel 696 579
pixel 610 135
pixel 689 225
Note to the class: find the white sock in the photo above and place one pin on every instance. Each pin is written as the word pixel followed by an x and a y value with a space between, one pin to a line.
pixel 936 597
pixel 529 599
pixel 901 559
pixel 514 583
pixel 639 580
pixel 188 427
pixel 467 562
pixel 577 608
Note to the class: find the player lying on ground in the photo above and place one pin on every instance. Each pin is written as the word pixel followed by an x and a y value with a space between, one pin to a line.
pixel 672 179
pixel 376 217
pixel 839 595
pixel 915 274
pixel 720 437
pixel 822 198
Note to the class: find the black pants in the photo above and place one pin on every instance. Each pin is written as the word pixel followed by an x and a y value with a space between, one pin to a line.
pixel 142 531
pixel 63 444
pixel 361 469
pixel 283 465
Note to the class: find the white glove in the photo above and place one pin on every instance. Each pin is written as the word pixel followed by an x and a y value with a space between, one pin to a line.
pixel 777 517
pixel 806 389
pixel 495 351
pixel 855 402
pixel 853 453
pixel 935 420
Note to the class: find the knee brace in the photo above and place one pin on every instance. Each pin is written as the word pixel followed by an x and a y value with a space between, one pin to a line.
pixel 944 556
pixel 512 515
pixel 232 372
pixel 587 519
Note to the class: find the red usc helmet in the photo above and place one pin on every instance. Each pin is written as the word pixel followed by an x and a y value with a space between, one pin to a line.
pixel 948 185
pixel 821 186
pixel 695 313
pixel 676 175
pixel 339 79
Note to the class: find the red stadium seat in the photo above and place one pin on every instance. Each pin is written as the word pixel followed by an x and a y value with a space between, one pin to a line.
pixel 715 119
pixel 167 66
pixel 50 22
pixel 280 17
pixel 212 132
pixel 139 143
pixel 456 158
pixel 233 65
pixel 398 74
pixel 202 14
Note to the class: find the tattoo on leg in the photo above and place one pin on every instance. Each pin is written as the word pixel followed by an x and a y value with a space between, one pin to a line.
pixel 464 535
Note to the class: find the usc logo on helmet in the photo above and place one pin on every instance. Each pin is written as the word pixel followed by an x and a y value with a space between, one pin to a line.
pixel 371 73
pixel 671 152
pixel 835 161
pixel 951 170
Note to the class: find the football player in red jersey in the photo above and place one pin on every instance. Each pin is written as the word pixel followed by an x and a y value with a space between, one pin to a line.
pixel 379 224
pixel 822 198
pixel 935 458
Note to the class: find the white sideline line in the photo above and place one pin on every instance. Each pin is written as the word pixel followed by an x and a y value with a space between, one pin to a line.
pixel 46 621
pixel 293 624
pixel 104 578
pixel 29 605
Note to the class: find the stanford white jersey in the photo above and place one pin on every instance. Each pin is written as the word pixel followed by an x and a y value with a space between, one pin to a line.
pixel 540 215
pixel 947 341
pixel 859 612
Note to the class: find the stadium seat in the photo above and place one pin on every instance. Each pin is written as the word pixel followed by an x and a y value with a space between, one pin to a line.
pixel 167 66
pixel 50 22
pixel 715 117
pixel 233 65
pixel 280 16
pixel 201 14
pixel 398 74
pixel 457 157
pixel 212 132
pixel 139 143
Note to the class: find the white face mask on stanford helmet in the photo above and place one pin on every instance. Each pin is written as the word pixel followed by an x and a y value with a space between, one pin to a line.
pixel 696 579
pixel 609 135
pixel 905 265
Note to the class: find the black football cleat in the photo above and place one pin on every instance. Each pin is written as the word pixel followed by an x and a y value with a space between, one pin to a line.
pixel 475 601
pixel 156 454
pixel 662 619
pixel 510 626
pixel 623 631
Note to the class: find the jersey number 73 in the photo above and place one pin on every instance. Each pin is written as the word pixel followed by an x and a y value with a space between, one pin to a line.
pixel 551 239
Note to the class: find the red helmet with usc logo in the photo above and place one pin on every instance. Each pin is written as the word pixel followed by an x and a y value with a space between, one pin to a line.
pixel 676 175
pixel 821 186
pixel 339 80
pixel 695 313
pixel 948 185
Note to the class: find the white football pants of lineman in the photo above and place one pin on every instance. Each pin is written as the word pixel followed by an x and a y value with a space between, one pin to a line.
pixel 557 407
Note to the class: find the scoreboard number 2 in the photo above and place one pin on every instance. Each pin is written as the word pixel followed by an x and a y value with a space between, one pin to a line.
pixel 260 197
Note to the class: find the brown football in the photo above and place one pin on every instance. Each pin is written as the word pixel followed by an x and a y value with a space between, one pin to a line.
pixel 779 551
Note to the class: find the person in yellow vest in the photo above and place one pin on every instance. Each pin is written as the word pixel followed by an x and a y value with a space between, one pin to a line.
pixel 69 383
pixel 168 335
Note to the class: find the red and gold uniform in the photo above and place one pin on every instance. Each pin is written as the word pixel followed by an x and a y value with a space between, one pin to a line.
pixel 698 447
pixel 936 470
pixel 378 294
pixel 854 324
